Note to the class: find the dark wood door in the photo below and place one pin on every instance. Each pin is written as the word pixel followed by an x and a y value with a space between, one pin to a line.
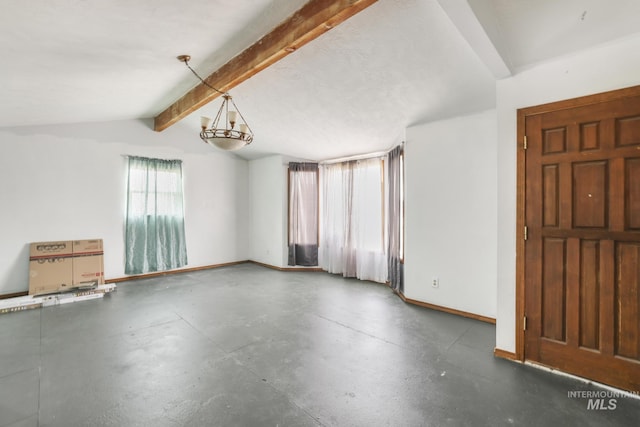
pixel 582 253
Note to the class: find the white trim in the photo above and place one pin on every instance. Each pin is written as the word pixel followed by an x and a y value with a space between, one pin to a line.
pixel 11 305
pixel 625 393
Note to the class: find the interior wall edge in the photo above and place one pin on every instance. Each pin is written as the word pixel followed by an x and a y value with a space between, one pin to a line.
pixel 275 267
pixel 504 354
pixel 170 272
pixel 449 310
pixel 497 352
pixel 14 295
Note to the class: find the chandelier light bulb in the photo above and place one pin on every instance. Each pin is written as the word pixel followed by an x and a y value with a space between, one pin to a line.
pixel 232 118
pixel 205 122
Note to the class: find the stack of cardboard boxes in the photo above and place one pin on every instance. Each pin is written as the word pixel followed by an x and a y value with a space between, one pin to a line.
pixel 61 266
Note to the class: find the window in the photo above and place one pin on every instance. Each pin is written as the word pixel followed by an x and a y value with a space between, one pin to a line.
pixel 154 223
pixel 352 225
pixel 303 214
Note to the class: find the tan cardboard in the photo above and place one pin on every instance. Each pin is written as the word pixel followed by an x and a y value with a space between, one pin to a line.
pixel 64 265
pixel 92 246
pixel 50 249
pixel 88 270
pixel 49 275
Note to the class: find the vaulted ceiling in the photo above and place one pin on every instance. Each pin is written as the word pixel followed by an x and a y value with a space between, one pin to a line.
pixel 352 90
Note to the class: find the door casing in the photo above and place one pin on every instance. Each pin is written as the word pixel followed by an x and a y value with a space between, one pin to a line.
pixel 521 193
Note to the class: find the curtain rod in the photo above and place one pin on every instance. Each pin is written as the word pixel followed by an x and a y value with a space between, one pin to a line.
pixel 356 157
pixel 126 156
pixel 359 156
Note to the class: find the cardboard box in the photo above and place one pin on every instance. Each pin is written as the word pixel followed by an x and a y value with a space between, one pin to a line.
pixel 49 275
pixel 88 270
pixel 88 263
pixel 50 249
pixel 87 247
pixel 65 265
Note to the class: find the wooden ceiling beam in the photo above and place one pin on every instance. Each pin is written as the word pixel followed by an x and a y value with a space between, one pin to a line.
pixel 314 19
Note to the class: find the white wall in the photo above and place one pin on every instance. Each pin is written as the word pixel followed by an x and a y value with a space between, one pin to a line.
pixel 451 201
pixel 612 66
pixel 68 182
pixel 268 205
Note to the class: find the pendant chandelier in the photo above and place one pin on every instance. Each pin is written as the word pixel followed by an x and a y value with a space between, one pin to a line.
pixel 229 130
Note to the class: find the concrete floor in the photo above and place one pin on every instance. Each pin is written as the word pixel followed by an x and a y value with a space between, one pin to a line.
pixel 249 346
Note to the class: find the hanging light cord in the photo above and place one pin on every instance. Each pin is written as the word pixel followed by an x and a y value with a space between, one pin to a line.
pixel 186 62
pixel 185 59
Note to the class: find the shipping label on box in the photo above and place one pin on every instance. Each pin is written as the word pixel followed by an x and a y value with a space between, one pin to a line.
pixel 87 247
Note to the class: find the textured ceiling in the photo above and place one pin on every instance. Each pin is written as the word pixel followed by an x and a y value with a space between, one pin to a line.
pixel 528 32
pixel 351 91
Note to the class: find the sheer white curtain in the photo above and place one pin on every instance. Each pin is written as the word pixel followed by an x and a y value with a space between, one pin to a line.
pixel 303 214
pixel 352 228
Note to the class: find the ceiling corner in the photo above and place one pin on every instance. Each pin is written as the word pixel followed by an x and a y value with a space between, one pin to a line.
pixel 468 24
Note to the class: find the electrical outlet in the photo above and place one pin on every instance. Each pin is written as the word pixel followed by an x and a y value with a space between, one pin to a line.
pixel 435 282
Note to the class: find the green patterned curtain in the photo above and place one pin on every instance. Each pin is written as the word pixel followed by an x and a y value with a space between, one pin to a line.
pixel 154 226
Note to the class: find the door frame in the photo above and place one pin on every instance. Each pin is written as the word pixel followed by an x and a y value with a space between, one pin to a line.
pixel 522 114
